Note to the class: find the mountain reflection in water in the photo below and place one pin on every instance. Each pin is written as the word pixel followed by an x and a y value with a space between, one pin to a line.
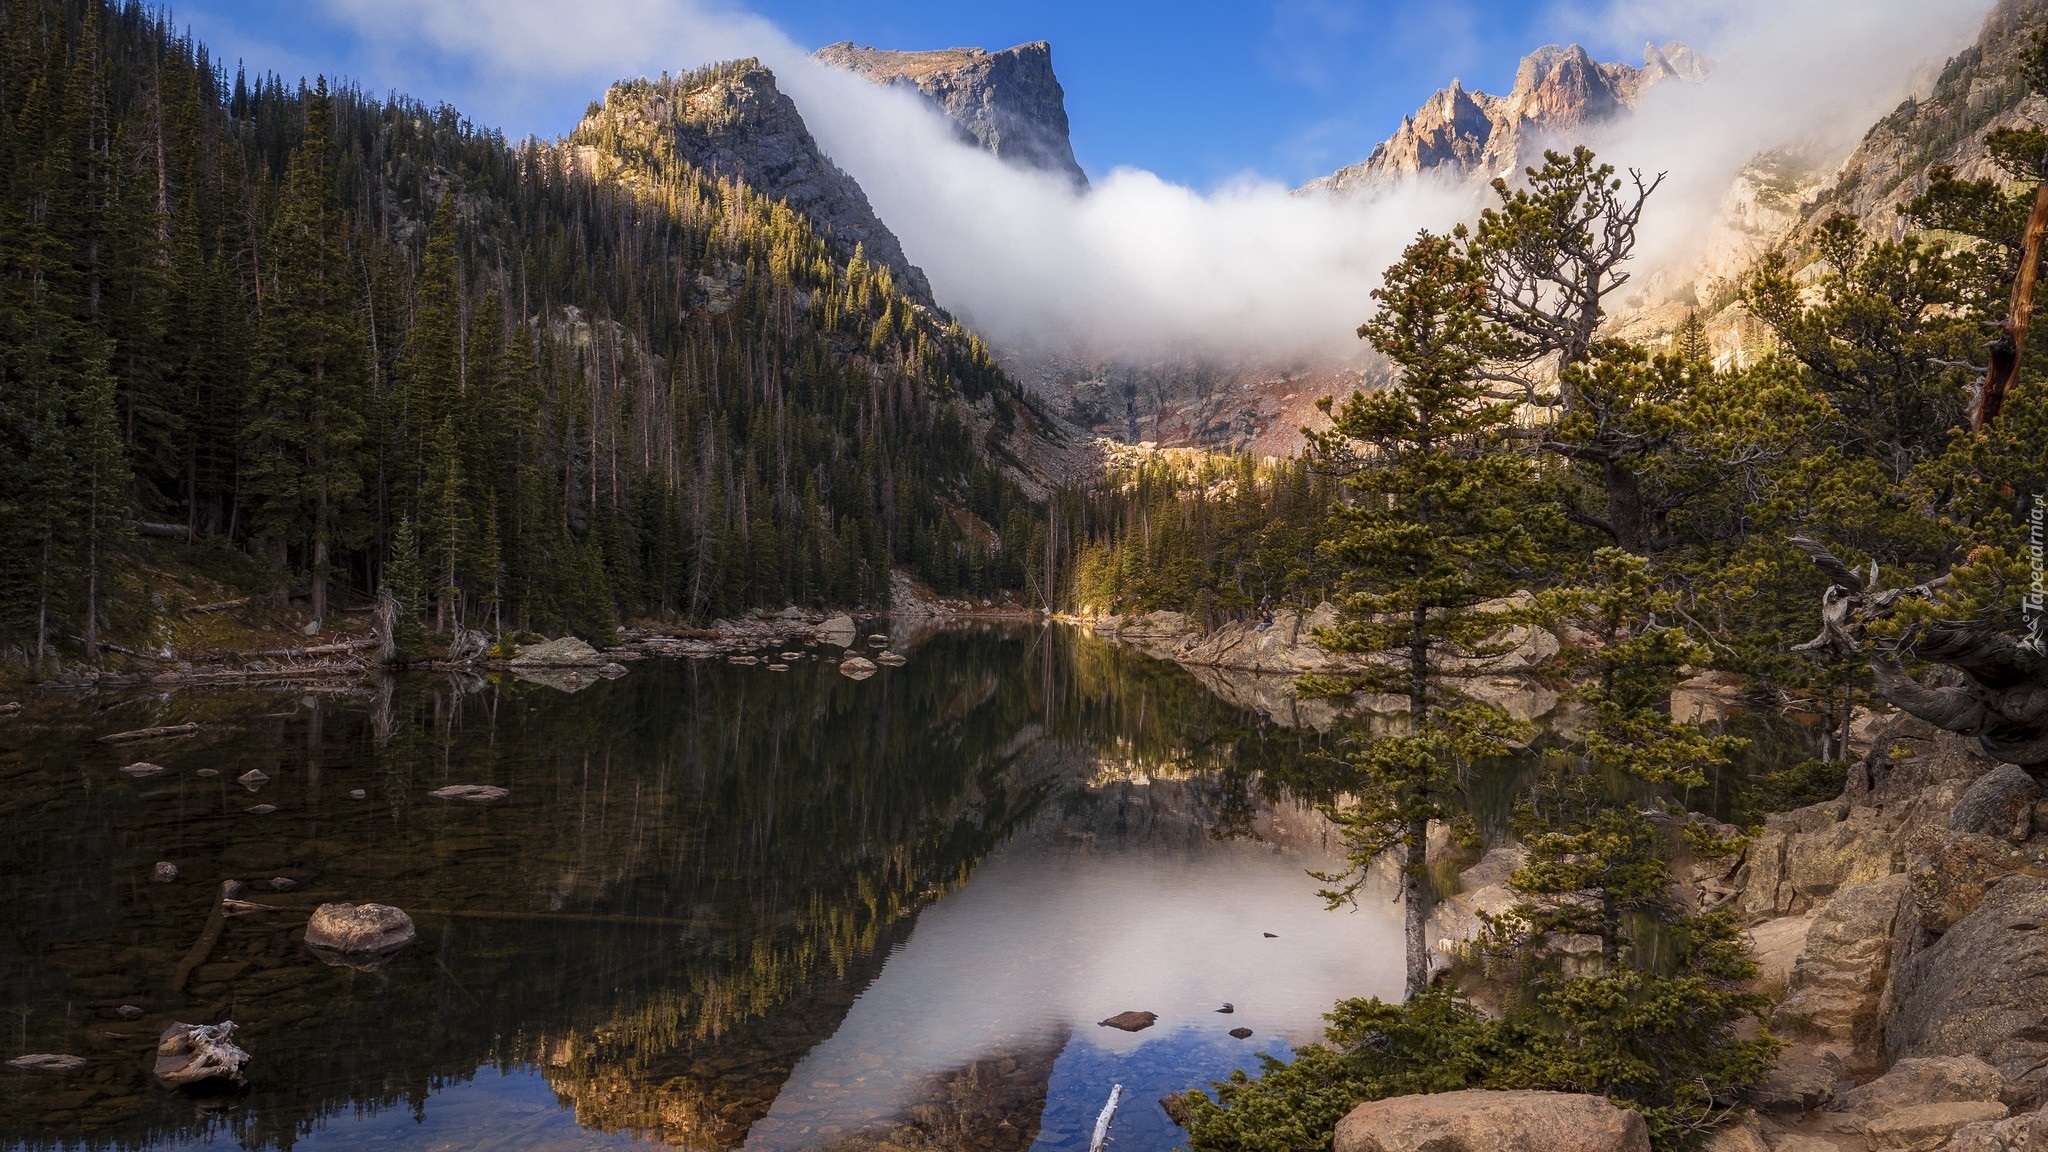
pixel 722 906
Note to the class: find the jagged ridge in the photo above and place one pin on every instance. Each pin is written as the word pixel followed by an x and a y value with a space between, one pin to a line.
pixel 1009 102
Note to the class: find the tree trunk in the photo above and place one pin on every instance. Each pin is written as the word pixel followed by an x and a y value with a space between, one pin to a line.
pixel 1415 907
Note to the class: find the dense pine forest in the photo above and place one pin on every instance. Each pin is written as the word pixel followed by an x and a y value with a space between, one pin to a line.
pixel 373 345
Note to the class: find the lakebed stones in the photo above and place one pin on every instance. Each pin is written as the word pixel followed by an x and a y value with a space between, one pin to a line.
pixel 473 793
pixel 142 769
pixel 359 929
pixel 260 809
pixel 857 668
pixel 164 872
pixel 1130 1021
pixel 1486 1121
pixel 58 1062
pixel 195 1053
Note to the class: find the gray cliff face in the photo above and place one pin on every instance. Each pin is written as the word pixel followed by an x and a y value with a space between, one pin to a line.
pixel 1008 102
pixel 732 121
pixel 1467 133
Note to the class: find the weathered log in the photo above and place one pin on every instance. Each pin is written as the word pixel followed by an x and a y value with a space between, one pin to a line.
pixel 2012 339
pixel 208 936
pixel 2002 696
pixel 140 734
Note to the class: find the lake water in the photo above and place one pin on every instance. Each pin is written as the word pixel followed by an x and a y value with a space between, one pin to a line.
pixel 723 907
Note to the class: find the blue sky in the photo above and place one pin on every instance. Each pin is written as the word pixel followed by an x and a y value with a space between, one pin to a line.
pixel 1197 91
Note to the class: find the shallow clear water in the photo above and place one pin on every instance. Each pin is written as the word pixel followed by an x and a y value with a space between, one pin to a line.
pixel 722 907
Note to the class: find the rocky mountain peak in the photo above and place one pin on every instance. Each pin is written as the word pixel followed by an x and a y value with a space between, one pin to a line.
pixel 733 122
pixel 1470 133
pixel 1008 102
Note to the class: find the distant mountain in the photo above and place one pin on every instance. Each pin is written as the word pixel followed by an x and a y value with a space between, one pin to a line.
pixel 1008 102
pixel 1473 133
pixel 732 121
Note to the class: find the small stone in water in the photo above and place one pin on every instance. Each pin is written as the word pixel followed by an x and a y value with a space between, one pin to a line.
pixel 1130 1021
pixel 252 779
pixel 261 809
pixel 359 928
pixel 47 1062
pixel 1241 1033
pixel 1272 935
pixel 207 772
pixel 1227 1008
pixel 142 768
pixel 282 883
pixel 128 1012
pixel 164 872
pixel 356 793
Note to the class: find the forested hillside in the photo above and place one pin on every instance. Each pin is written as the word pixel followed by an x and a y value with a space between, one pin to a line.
pixel 374 345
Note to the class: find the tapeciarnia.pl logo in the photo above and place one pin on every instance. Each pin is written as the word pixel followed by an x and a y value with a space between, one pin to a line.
pixel 2036 599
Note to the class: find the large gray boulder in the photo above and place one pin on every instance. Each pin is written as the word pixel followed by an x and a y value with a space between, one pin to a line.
pixel 1923 1080
pixel 1927 1127
pixel 1999 803
pixel 1982 989
pixel 1836 990
pixel 1484 1121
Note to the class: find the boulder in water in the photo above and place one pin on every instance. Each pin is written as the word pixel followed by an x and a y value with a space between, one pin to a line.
pixel 253 779
pixel 359 929
pixel 857 668
pixel 567 652
pixel 837 630
pixel 475 793
pixel 192 1053
pixel 1130 1021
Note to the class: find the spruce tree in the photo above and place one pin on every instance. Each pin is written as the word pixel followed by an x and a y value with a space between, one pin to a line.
pixel 1436 524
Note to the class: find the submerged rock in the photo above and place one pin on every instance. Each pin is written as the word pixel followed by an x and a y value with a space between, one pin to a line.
pixel 207 772
pixel 1486 1121
pixel 357 794
pixel 47 1062
pixel 128 1012
pixel 164 872
pixel 359 929
pixel 192 1053
pixel 475 793
pixel 260 809
pixel 1130 1021
pixel 141 769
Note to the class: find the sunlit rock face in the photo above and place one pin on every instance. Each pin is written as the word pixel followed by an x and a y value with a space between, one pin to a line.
pixel 732 121
pixel 1466 133
pixel 1008 102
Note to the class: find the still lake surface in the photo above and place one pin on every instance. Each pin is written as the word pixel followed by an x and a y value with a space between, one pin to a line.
pixel 722 908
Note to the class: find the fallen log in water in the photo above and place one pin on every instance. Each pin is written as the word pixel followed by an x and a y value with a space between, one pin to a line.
pixel 1116 1093
pixel 218 606
pixel 208 936
pixel 141 734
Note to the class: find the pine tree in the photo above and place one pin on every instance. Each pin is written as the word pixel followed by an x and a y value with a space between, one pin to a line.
pixel 1435 526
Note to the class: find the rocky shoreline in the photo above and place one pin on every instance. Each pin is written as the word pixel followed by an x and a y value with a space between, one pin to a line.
pixel 1900 929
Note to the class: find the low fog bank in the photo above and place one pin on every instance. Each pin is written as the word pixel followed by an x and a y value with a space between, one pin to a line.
pixel 1141 267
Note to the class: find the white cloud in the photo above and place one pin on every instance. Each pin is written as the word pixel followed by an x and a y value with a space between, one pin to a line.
pixel 1140 265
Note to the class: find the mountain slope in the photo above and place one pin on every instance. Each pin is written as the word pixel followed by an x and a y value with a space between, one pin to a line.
pixel 732 122
pixel 1472 133
pixel 1008 102
pixel 365 344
